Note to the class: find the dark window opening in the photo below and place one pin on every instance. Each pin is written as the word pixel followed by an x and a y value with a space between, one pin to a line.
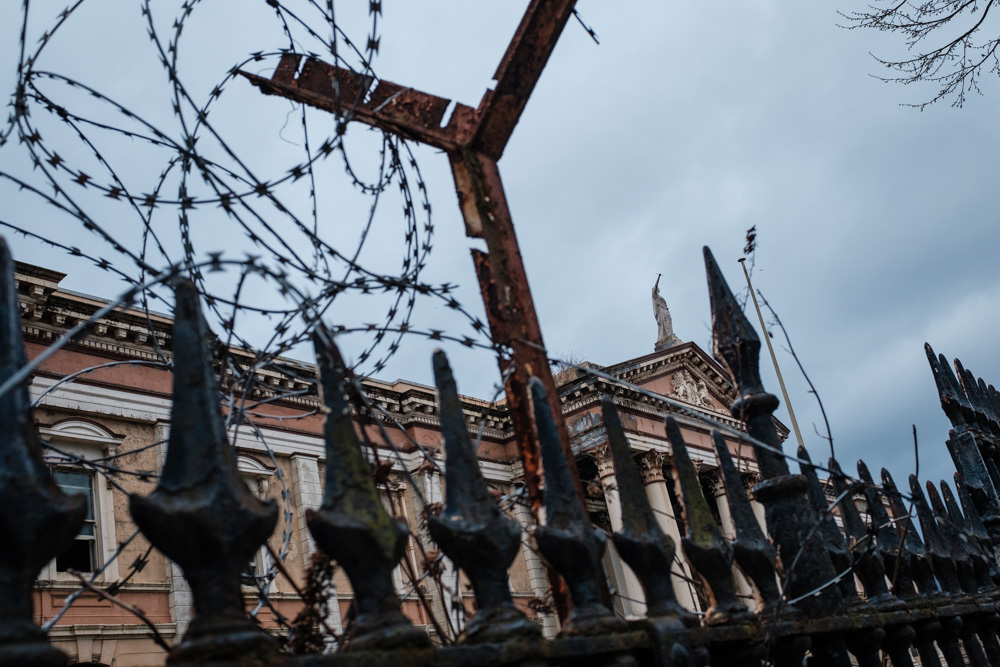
pixel 82 555
pixel 251 574
pixel 79 557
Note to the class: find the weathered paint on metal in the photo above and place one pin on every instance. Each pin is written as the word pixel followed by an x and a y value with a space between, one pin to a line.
pixel 471 530
pixel 37 520
pixel 474 140
pixel 201 514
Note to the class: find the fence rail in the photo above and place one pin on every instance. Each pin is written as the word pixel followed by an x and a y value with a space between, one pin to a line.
pixel 929 596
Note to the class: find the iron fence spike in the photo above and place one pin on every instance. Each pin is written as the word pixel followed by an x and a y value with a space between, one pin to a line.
pixel 887 539
pixel 975 523
pixel 952 398
pixel 867 561
pixel 945 569
pixel 783 495
pixel 201 514
pixel 752 551
pixel 641 542
pixel 566 539
pixel 706 548
pixel 38 520
pixel 351 525
pixel 967 538
pixel 913 546
pixel 833 538
pixel 471 530
pixel 952 541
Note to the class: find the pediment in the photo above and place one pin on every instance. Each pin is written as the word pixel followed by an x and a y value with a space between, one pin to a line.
pixel 684 373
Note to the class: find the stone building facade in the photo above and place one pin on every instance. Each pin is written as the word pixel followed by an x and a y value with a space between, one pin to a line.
pixel 117 416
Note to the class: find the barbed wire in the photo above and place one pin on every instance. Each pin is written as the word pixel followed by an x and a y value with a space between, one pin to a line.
pixel 145 192
pixel 157 196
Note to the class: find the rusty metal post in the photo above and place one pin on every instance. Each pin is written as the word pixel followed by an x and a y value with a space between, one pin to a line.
pixel 510 309
pixel 474 140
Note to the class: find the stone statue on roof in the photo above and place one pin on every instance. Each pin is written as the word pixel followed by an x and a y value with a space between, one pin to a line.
pixel 665 336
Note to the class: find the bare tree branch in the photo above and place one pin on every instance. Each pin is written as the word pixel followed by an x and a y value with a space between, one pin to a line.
pixel 957 64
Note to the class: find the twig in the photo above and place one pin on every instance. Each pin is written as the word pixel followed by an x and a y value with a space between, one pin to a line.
pixel 298 591
pixel 132 609
pixel 812 388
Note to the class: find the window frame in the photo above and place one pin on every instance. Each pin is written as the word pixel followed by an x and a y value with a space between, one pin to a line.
pixel 89 441
pixel 92 539
pixel 257 477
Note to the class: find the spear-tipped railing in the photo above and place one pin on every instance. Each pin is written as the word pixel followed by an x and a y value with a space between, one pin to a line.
pixel 37 520
pixel 783 495
pixel 471 530
pixel 933 590
pixel 352 526
pixel 567 539
pixel 201 514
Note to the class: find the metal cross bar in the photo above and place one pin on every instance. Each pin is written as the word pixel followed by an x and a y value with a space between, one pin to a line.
pixel 474 140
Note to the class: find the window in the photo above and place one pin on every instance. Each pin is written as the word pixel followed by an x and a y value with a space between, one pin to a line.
pixel 257 478
pixel 96 544
pixel 82 556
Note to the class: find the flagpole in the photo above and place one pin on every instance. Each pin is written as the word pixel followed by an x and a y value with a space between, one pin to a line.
pixel 774 360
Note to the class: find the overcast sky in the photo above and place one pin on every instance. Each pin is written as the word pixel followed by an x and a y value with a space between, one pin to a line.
pixel 684 127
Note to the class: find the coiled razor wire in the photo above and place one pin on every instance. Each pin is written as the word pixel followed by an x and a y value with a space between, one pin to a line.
pixel 75 154
pixel 145 192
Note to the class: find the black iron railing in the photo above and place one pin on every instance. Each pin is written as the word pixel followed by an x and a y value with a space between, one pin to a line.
pixel 929 595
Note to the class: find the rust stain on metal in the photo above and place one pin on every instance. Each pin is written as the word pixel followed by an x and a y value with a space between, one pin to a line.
pixel 390 106
pixel 518 72
pixel 474 140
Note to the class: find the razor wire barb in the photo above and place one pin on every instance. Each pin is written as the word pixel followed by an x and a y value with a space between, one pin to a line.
pixel 288 266
pixel 75 153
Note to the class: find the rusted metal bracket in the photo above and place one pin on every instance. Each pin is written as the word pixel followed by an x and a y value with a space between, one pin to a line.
pixel 474 140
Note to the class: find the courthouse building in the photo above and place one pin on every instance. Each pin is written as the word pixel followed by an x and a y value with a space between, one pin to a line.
pixel 123 411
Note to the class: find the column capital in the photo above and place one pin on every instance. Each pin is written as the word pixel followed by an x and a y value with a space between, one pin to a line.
pixel 602 457
pixel 714 476
pixel 651 466
pixel 750 480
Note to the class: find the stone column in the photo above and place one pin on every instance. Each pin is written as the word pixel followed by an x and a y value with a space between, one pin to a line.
pixel 307 493
pixel 751 480
pixel 536 571
pixel 440 601
pixel 651 468
pixel 743 587
pixel 179 600
pixel 632 597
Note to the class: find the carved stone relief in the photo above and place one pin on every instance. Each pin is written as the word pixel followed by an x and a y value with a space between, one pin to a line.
pixel 689 390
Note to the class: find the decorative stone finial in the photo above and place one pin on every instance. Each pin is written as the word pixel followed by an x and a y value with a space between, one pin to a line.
pixel 665 336
pixel 38 521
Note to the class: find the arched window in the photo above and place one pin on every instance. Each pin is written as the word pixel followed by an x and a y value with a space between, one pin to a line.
pixel 73 442
pixel 258 479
